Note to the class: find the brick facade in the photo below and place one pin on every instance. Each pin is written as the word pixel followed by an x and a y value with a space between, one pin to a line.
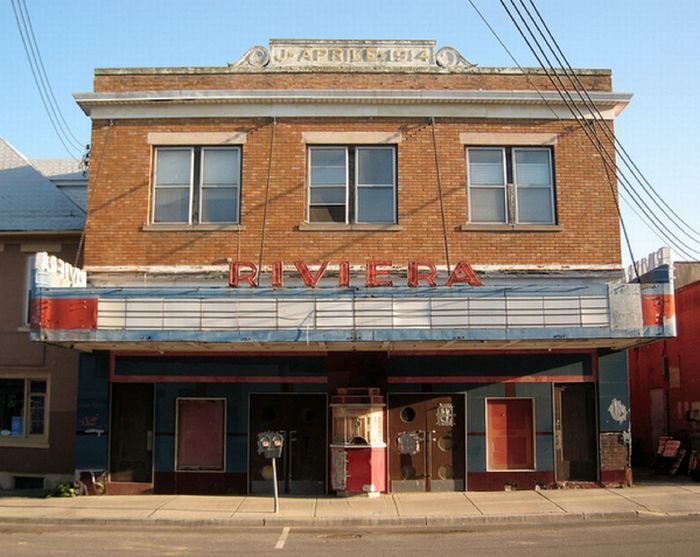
pixel 119 192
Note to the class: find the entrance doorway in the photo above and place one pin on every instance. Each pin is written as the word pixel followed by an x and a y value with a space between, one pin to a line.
pixel 575 432
pixel 131 435
pixel 426 442
pixel 302 419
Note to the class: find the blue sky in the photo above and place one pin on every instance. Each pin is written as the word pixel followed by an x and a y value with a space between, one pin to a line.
pixel 651 46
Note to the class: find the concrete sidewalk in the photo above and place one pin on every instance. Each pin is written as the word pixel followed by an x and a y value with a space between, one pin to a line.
pixel 403 509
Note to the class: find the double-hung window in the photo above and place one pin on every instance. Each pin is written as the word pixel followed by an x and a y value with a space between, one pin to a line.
pixel 352 185
pixel 196 185
pixel 23 409
pixel 510 185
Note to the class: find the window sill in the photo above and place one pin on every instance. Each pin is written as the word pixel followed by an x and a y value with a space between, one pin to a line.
pixel 192 228
pixel 510 228
pixel 332 227
pixel 22 444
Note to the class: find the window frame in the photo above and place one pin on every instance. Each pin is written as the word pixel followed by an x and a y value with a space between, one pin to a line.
pixel 196 186
pixel 510 186
pixel 27 438
pixel 352 184
pixel 490 466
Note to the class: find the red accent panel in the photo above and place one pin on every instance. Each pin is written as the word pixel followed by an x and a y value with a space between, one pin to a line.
pixel 365 466
pixel 64 313
pixel 200 483
pixel 495 481
pixel 614 476
pixel 492 378
pixel 656 307
pixel 212 379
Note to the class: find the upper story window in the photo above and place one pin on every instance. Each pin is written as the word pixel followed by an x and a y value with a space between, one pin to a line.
pixel 352 184
pixel 196 185
pixel 511 185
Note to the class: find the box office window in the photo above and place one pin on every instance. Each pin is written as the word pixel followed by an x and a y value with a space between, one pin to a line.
pixel 201 434
pixel 196 185
pixel 352 184
pixel 510 434
pixel 23 409
pixel 510 185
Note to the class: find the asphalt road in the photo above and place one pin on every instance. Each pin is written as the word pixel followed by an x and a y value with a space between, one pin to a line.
pixel 638 538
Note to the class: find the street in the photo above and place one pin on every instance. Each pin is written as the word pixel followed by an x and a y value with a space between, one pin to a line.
pixel 645 536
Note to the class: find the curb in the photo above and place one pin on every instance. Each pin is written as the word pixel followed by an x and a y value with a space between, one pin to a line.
pixel 326 522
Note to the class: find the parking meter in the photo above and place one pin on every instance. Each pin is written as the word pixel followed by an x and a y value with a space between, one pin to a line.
pixel 270 444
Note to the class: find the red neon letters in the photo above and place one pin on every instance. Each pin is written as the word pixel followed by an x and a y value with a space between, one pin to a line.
pixel 377 274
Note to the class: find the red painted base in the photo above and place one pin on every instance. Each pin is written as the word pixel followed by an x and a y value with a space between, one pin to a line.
pixel 128 488
pixel 498 481
pixel 616 477
pixel 197 483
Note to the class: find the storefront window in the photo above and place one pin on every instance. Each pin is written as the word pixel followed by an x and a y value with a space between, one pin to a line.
pixel 23 408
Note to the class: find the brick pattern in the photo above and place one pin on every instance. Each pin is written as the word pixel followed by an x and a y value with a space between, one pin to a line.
pixel 223 79
pixel 119 189
pixel 614 454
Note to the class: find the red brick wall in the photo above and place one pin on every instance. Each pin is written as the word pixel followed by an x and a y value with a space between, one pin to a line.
pixel 220 79
pixel 119 199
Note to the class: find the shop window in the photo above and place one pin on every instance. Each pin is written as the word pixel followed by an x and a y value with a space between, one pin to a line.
pixel 510 434
pixel 196 185
pixel 23 409
pixel 510 185
pixel 201 434
pixel 352 185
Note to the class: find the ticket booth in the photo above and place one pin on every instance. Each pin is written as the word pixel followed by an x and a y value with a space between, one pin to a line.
pixel 358 449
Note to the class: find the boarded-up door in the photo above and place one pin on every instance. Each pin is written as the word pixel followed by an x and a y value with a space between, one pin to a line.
pixel 201 434
pixel 426 442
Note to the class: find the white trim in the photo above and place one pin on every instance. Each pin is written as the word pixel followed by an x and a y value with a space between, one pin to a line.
pixel 507 138
pixel 352 138
pixel 41 246
pixel 354 110
pixel 350 102
pixel 193 269
pixel 197 138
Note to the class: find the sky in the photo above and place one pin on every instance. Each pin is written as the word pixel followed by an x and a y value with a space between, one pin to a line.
pixel 650 45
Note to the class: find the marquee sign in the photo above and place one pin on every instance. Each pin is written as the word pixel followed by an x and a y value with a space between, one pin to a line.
pixel 50 271
pixel 376 274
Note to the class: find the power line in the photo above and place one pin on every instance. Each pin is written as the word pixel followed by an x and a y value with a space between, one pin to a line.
pixel 608 160
pixel 41 80
pixel 619 148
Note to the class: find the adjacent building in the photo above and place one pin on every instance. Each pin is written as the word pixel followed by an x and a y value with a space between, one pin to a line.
pixel 665 385
pixel 38 382
pixel 406 264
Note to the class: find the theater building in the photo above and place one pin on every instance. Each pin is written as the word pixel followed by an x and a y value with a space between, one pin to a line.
pixel 407 264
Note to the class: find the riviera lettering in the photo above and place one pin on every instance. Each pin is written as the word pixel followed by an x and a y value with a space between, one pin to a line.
pixel 377 274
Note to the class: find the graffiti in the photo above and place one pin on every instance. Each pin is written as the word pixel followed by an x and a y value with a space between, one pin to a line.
pixel 618 411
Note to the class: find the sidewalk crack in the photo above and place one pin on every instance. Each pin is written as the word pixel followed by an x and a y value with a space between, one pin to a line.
pixel 539 492
pixel 615 492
